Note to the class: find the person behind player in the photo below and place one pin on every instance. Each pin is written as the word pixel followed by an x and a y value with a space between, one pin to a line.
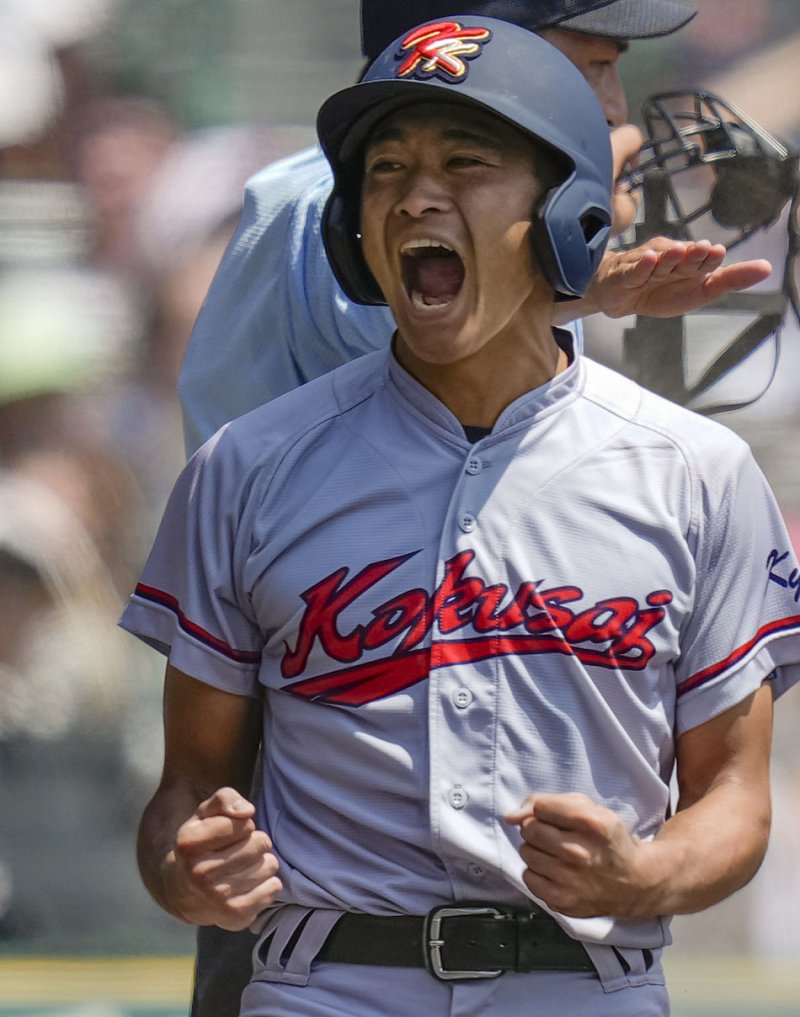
pixel 491 593
pixel 275 317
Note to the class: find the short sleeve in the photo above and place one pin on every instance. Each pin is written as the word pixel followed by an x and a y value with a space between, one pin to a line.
pixel 745 623
pixel 189 603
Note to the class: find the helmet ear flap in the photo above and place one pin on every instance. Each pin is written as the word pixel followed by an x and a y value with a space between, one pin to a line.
pixel 569 240
pixel 341 235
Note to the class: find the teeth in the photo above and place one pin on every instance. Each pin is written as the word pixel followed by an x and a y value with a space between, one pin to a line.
pixel 411 245
pixel 418 302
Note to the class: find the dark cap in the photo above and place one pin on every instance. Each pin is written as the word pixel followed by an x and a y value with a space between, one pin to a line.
pixel 382 21
pixel 632 19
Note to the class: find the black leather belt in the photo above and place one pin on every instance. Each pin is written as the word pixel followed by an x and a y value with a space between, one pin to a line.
pixel 457 943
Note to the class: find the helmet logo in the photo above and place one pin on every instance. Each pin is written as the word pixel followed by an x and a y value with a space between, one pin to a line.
pixel 441 49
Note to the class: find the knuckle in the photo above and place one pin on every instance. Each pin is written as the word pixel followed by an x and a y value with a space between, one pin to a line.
pixel 205 875
pixel 185 843
pixel 261 840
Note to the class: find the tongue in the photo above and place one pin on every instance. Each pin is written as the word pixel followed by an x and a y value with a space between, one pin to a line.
pixel 438 277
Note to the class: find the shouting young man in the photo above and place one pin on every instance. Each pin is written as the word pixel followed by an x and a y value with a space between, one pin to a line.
pixel 476 597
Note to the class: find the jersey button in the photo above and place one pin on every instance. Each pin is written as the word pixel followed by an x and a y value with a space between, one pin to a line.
pixel 457 796
pixel 474 465
pixel 476 871
pixel 466 522
pixel 462 698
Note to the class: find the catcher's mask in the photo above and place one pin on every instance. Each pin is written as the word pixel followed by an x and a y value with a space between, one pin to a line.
pixel 511 73
pixel 748 174
pixel 707 171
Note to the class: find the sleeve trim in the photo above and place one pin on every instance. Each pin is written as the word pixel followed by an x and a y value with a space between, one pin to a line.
pixel 166 600
pixel 779 627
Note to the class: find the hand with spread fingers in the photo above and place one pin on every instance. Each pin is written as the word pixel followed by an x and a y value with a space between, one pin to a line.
pixel 664 278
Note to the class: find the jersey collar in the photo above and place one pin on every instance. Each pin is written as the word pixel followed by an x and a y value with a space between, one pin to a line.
pixel 523 412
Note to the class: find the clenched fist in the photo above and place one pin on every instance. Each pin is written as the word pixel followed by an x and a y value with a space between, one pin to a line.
pixel 224 870
pixel 580 858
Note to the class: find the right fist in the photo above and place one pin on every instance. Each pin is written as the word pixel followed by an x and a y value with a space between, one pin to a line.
pixel 225 871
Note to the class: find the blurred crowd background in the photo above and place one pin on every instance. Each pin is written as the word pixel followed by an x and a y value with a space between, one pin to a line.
pixel 127 131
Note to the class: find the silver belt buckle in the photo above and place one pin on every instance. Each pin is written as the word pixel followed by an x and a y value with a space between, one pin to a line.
pixel 433 943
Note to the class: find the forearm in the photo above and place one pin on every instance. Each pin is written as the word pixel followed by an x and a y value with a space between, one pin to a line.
pixel 703 853
pixel 158 831
pixel 716 841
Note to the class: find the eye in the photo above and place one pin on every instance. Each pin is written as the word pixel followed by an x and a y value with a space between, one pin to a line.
pixel 467 160
pixel 380 165
pixel 383 166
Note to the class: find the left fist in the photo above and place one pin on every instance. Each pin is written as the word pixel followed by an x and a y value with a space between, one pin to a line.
pixel 580 858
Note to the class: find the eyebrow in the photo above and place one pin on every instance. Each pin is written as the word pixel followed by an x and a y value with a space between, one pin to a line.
pixel 469 135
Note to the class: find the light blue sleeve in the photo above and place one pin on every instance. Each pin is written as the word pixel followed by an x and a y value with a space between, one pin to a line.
pixel 274 316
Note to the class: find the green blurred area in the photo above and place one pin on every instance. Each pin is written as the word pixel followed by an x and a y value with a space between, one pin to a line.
pixel 217 61
pixel 157 988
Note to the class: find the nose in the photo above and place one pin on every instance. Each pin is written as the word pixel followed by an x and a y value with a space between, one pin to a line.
pixel 613 100
pixel 423 194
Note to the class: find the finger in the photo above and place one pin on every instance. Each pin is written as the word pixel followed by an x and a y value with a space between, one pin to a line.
pixel 569 811
pixel 635 272
pixel 561 898
pixel 541 887
pixel 524 811
pixel 669 261
pixel 213 834
pixel 222 888
pixel 241 910
pixel 253 855
pixel 661 243
pixel 701 256
pixel 552 808
pixel 226 801
pixel 625 144
pixel 732 278
pixel 545 845
pixel 262 871
pixel 624 206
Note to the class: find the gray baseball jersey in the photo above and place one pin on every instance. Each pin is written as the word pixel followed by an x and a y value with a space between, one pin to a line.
pixel 441 627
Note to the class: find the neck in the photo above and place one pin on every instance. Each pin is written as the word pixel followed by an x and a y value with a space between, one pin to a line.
pixel 478 388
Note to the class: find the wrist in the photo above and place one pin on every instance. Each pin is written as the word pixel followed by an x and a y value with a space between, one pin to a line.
pixel 651 885
pixel 170 896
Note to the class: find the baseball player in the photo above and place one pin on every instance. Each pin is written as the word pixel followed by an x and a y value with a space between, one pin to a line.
pixel 492 594
pixel 285 319
pixel 275 316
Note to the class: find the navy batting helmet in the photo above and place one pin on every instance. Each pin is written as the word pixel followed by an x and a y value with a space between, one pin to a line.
pixel 511 73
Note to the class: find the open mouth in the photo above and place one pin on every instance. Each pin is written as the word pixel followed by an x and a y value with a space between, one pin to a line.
pixel 432 272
